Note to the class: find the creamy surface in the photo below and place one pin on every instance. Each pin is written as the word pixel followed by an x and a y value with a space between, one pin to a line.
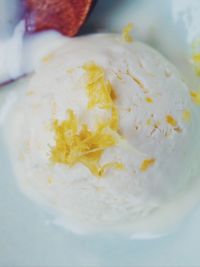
pixel 157 121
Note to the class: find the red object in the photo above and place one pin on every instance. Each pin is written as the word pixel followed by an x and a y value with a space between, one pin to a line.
pixel 65 16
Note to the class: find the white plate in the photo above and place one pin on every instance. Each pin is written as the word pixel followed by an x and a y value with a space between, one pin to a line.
pixel 26 237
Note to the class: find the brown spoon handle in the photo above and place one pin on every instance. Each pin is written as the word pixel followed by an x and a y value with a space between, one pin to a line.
pixel 65 16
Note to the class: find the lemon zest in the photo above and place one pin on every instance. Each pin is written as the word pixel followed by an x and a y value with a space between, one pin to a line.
pixel 186 115
pixel 30 93
pixel 195 95
pixel 85 146
pixel 50 180
pixel 136 80
pixel 76 143
pixel 149 121
pixel 48 58
pixel 101 93
pixel 149 100
pixel 99 90
pixel 146 164
pixel 170 120
pixel 126 36
pixel 196 56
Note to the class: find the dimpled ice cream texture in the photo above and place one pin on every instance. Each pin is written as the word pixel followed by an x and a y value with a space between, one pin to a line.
pixel 151 158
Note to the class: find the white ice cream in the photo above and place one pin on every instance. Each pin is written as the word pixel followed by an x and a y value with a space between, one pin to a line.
pixel 157 119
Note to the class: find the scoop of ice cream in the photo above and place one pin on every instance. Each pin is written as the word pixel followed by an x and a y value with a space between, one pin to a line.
pixel 106 133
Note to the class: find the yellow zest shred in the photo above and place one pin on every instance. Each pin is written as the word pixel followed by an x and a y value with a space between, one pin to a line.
pixel 75 143
pixel 149 100
pixel 30 93
pixel 119 76
pixel 126 36
pixel 48 58
pixel 196 55
pixel 196 63
pixel 156 125
pixel 195 95
pixel 170 120
pixel 186 115
pixel 99 90
pixel 102 170
pixel 136 80
pixel 73 146
pixel 149 121
pixel 50 180
pixel 196 58
pixel 146 164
